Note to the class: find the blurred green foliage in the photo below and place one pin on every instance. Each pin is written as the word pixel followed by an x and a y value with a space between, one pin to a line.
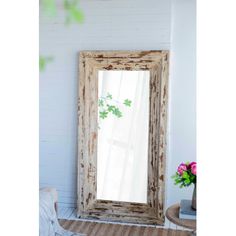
pixel 43 61
pixel 73 14
pixel 49 7
pixel 71 7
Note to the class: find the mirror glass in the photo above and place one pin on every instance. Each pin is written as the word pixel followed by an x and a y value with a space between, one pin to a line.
pixel 123 128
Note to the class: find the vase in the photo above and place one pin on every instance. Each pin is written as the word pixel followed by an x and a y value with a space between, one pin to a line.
pixel 194 206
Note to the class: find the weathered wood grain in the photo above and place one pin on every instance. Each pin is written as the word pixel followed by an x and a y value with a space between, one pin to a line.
pixel 89 64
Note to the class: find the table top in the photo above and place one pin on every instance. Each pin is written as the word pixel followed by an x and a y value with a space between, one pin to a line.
pixel 172 214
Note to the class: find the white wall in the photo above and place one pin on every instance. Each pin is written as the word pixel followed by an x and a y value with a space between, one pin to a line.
pixel 113 25
pixel 182 109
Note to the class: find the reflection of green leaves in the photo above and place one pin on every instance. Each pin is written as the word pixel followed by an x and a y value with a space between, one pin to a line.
pixel 109 96
pixel 100 102
pixel 108 105
pixel 103 114
pixel 43 61
pixel 117 112
pixel 127 102
pixel 110 108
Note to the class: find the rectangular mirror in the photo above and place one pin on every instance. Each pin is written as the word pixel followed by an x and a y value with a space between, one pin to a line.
pixel 123 123
pixel 122 135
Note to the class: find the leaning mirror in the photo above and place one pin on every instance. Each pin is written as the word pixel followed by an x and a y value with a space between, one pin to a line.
pixel 122 135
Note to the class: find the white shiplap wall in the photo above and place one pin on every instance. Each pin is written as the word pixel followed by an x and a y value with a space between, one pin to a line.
pixel 113 25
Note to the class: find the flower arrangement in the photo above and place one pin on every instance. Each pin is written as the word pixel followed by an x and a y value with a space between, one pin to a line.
pixel 186 174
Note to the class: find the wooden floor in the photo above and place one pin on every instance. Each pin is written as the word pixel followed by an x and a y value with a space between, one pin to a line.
pixel 103 229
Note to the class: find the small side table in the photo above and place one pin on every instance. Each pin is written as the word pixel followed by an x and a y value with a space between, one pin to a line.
pixel 172 214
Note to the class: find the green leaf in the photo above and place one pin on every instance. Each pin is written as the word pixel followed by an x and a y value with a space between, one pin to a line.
pixel 49 7
pixel 109 96
pixel 100 103
pixel 192 177
pixel 43 61
pixel 187 181
pixel 103 114
pixel 185 174
pixel 178 181
pixel 74 13
pixel 127 102
pixel 111 108
pixel 117 112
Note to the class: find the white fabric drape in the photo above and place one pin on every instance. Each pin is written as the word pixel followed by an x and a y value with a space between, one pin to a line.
pixel 48 222
pixel 123 142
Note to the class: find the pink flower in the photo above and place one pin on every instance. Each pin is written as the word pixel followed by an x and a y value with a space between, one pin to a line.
pixel 193 166
pixel 181 168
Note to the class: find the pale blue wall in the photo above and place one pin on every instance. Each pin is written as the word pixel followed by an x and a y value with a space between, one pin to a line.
pixel 182 103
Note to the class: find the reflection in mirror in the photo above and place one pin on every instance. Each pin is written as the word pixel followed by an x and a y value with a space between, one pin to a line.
pixel 123 124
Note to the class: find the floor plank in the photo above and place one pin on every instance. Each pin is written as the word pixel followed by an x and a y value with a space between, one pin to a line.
pixel 105 229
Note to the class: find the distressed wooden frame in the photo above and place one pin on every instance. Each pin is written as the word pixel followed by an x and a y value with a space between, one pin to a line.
pixel 89 64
